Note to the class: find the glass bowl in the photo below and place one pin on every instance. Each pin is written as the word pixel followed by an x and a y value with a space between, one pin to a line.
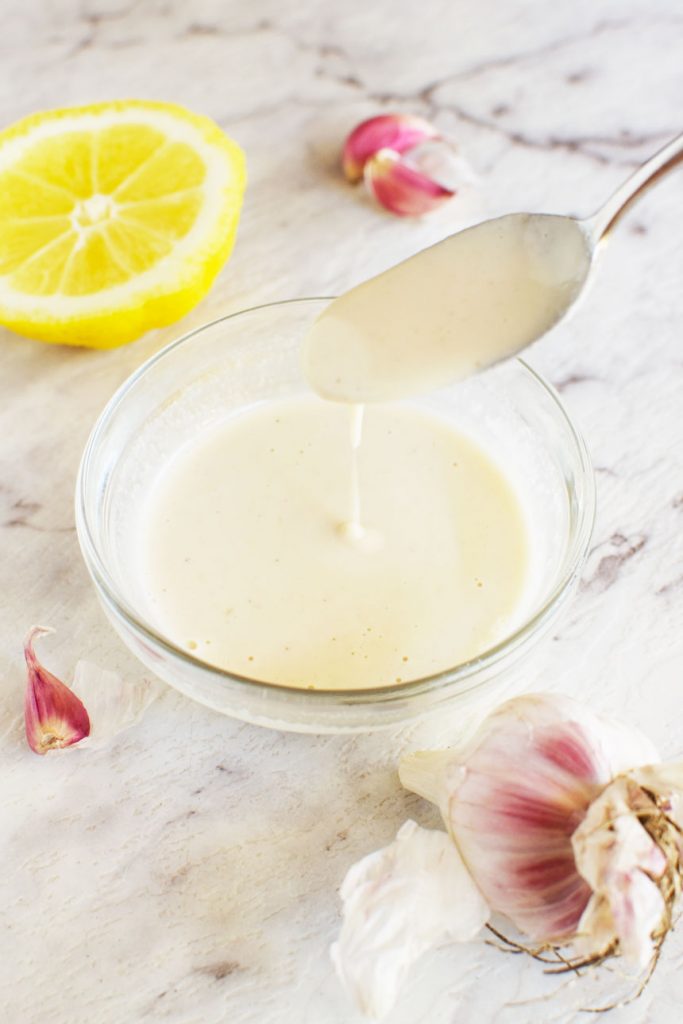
pixel 253 356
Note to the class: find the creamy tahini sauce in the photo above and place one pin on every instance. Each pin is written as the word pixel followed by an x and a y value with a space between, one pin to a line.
pixel 315 544
pixel 465 303
pixel 258 558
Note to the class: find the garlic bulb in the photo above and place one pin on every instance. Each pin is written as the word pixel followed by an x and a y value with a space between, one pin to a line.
pixel 513 800
pixel 556 825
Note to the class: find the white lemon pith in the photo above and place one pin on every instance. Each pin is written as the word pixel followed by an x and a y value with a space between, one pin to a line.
pixel 114 218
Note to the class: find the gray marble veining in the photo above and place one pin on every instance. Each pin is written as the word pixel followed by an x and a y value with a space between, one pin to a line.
pixel 188 873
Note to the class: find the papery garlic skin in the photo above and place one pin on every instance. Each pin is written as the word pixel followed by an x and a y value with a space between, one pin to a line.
pixel 397 132
pixel 623 865
pixel 401 188
pixel 54 717
pixel 514 797
pixel 399 902
pixel 114 703
pixel 665 783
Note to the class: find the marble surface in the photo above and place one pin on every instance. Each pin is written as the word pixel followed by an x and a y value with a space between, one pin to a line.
pixel 188 873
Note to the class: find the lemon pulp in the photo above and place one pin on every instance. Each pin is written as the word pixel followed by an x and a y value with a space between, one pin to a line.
pixel 114 218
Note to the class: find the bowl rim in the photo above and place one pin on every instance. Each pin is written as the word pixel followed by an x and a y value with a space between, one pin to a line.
pixel 448 678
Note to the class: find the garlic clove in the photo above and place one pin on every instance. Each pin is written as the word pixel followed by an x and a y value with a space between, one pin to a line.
pixel 401 188
pixel 397 132
pixel 515 795
pixel 54 716
pixel 397 903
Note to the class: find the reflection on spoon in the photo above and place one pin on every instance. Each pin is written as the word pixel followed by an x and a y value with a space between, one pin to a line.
pixel 469 301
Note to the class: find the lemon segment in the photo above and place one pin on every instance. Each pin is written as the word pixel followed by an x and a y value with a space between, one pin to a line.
pixel 114 218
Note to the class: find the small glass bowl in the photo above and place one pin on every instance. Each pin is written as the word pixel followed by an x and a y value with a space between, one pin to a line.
pixel 253 356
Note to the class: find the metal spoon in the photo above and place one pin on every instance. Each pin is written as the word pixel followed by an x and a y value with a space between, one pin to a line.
pixel 473 299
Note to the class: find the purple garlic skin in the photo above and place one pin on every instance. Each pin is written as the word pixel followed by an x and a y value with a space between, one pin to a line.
pixel 54 717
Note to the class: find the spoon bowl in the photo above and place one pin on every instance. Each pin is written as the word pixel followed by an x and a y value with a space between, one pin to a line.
pixel 458 307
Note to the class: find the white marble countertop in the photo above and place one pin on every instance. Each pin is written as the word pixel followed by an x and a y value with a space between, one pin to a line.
pixel 189 872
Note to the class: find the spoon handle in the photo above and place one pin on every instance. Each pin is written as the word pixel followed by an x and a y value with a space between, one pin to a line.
pixel 633 188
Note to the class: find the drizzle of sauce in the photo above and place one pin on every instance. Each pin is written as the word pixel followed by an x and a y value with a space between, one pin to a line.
pixel 352 528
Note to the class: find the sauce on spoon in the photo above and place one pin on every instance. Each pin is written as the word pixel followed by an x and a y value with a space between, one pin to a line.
pixel 471 300
pixel 465 303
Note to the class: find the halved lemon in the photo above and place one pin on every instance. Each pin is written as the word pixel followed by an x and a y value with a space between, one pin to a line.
pixel 114 218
